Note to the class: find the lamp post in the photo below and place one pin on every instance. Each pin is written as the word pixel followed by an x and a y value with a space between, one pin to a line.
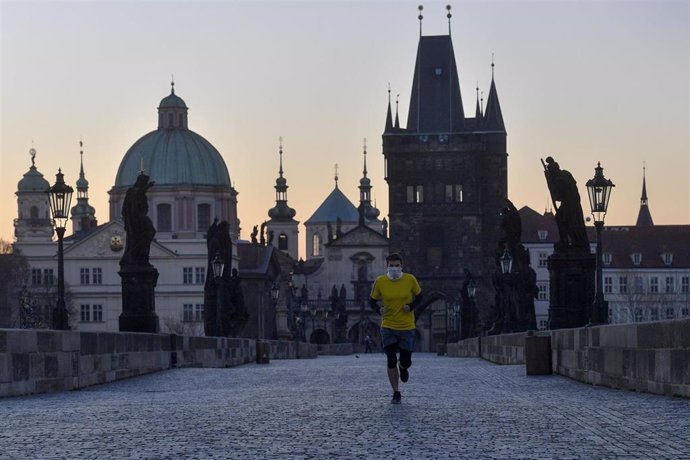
pixel 60 197
pixel 218 264
pixel 471 292
pixel 599 191
pixel 505 317
pixel 304 308
pixel 275 292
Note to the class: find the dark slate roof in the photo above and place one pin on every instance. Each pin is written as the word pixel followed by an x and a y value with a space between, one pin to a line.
pixel 644 217
pixel 620 241
pixel 435 102
pixel 651 242
pixel 493 117
pixel 336 205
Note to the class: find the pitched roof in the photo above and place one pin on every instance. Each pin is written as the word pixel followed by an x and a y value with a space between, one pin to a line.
pixel 336 205
pixel 435 102
pixel 360 236
pixel 650 242
pixel 493 117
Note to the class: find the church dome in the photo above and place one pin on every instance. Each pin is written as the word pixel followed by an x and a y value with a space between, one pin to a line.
pixel 33 180
pixel 173 154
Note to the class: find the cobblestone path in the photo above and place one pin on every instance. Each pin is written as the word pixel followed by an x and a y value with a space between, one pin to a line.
pixel 339 407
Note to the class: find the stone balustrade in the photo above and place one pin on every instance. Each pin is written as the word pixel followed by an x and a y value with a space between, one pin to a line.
pixel 652 357
pixel 39 361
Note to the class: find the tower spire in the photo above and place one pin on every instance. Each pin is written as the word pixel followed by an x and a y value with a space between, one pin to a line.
pixel 397 120
pixel 365 157
pixel 172 83
pixel 493 117
pixel 280 153
pixel 644 217
pixel 389 116
pixel 420 17
pixel 448 16
pixel 336 175
pixel 83 214
pixel 478 110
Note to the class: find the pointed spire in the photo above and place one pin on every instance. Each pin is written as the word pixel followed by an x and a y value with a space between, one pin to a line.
pixel 478 109
pixel 366 211
pixel 172 84
pixel 281 211
pixel 644 217
pixel 365 157
pixel 397 120
pixel 448 16
pixel 389 116
pixel 481 99
pixel 493 118
pixel 420 17
pixel 336 175
pixel 83 214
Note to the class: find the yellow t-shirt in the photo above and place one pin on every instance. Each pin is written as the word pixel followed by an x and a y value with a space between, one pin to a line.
pixel 395 294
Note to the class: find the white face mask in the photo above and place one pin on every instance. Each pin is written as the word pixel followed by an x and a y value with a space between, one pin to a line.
pixel 394 273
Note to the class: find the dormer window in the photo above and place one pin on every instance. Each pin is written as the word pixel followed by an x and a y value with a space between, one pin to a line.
pixel 542 234
pixel 606 258
pixel 438 71
pixel 667 257
pixel 636 258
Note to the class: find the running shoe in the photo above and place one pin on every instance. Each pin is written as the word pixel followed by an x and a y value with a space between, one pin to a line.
pixel 396 398
pixel 404 374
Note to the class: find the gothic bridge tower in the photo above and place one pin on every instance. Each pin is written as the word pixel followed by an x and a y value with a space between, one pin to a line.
pixel 447 177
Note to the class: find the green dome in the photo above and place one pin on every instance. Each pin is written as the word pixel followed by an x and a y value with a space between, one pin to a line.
pixel 33 181
pixel 173 157
pixel 172 101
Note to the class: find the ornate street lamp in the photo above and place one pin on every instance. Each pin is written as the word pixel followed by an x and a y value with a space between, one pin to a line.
pixel 60 197
pixel 218 265
pixel 275 292
pixel 599 191
pixel 506 262
pixel 471 289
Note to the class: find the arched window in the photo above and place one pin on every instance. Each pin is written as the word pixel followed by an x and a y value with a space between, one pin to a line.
pixel 316 245
pixel 180 118
pixel 283 242
pixel 33 212
pixel 164 219
pixel 203 217
pixel 171 118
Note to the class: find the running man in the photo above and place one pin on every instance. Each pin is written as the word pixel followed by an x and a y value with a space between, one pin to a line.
pixel 399 294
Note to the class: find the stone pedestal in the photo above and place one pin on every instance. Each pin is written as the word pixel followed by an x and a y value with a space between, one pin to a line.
pixel 282 328
pixel 572 289
pixel 538 355
pixel 138 299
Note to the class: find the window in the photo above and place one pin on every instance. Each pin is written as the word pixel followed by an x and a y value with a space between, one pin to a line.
pixel 179 120
pixel 164 217
pixel 669 284
pixel 685 284
pixel 97 275
pixel 449 193
pixel 639 284
pixel 188 312
pixel 543 287
pixel 36 277
pixel 655 314
pixel 608 284
pixel 98 312
pixel 606 258
pixel 667 257
pixel 670 314
pixel 187 275
pixel 85 311
pixel 199 275
pixel 283 242
pixel 84 276
pixel 654 284
pixel 199 312
pixel 48 277
pixel 623 284
pixel 316 245
pixel 685 311
pixel 415 193
pixel 542 234
pixel 638 315
pixel 542 324
pixel 203 217
pixel 458 194
pixel 170 120
pixel 543 259
pixel 636 258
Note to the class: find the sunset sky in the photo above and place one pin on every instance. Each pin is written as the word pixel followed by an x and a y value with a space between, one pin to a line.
pixel 583 81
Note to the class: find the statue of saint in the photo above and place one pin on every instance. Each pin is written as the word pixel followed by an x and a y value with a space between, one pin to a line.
pixel 138 225
pixel 255 232
pixel 571 224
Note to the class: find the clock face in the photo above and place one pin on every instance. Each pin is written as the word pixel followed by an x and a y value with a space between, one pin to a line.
pixel 116 243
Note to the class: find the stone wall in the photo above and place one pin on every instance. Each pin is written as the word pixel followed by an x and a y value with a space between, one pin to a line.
pixel 652 357
pixel 336 349
pixel 40 361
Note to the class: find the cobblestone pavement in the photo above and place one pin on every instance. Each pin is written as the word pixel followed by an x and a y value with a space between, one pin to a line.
pixel 339 407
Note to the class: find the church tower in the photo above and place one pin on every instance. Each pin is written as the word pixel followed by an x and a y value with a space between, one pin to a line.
pixel 368 213
pixel 282 224
pixel 33 223
pixel 83 214
pixel 447 177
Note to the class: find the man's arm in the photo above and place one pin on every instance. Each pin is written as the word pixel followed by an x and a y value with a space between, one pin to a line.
pixel 374 304
pixel 416 306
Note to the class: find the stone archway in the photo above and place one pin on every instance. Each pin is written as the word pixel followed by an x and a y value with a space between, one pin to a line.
pixel 320 337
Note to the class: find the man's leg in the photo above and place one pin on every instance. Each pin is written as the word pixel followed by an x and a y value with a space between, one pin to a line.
pixel 392 366
pixel 405 363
